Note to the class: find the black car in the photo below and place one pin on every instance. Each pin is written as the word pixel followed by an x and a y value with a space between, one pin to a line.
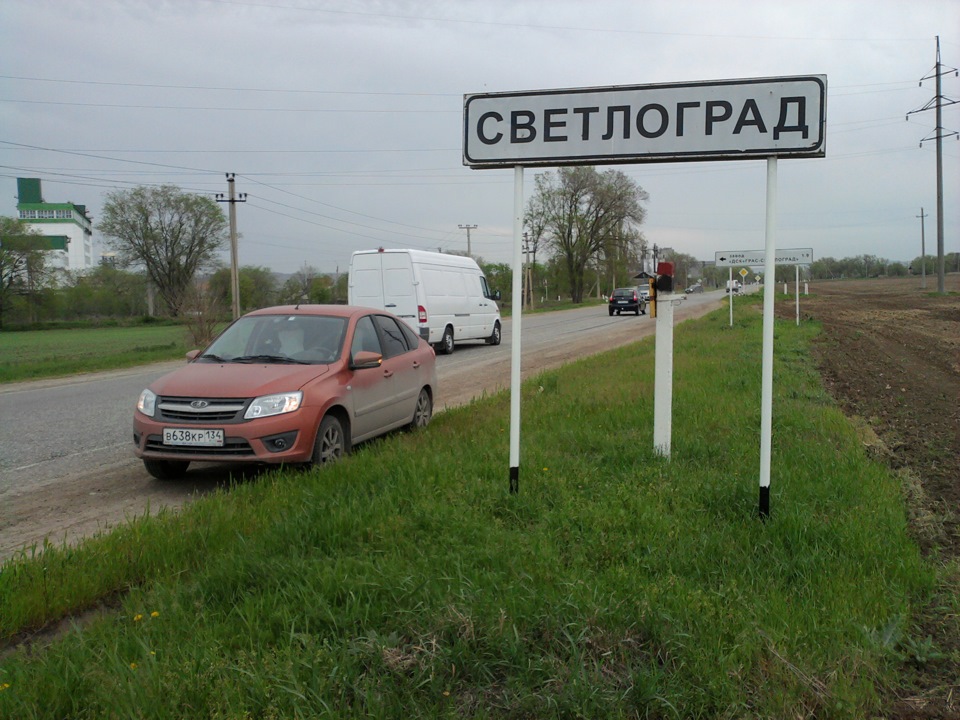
pixel 626 300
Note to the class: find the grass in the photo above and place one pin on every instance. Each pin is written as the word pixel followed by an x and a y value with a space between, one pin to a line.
pixel 32 355
pixel 407 582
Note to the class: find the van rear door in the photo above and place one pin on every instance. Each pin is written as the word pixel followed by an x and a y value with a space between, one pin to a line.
pixel 399 287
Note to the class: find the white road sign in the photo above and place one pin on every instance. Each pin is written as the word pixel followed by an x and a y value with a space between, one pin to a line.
pixel 752 258
pixel 715 120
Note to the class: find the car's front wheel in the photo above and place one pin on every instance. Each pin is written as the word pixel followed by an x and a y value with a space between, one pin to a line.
pixel 332 442
pixel 423 411
pixel 166 469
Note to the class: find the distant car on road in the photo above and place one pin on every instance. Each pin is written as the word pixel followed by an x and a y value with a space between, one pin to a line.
pixel 626 300
pixel 287 385
pixel 698 288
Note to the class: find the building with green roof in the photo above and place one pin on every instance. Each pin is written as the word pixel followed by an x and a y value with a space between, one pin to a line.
pixel 66 228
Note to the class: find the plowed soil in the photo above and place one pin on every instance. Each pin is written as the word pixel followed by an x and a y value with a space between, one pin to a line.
pixel 890 355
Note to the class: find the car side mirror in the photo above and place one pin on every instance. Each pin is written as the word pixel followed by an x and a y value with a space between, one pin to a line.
pixel 365 359
pixel 495 296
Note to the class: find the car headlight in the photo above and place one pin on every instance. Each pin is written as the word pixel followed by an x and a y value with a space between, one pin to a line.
pixel 268 405
pixel 147 403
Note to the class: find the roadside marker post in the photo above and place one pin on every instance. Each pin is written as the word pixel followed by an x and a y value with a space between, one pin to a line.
pixel 663 376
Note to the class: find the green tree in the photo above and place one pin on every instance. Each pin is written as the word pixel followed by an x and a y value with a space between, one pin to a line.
pixel 23 270
pixel 105 291
pixel 169 233
pixel 585 215
pixel 307 285
pixel 258 287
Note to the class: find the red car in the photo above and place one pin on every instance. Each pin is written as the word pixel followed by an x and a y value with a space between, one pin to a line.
pixel 291 384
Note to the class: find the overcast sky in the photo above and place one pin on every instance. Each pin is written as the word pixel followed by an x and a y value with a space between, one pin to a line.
pixel 343 120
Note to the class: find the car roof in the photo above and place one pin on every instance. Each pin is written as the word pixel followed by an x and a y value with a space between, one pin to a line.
pixel 344 311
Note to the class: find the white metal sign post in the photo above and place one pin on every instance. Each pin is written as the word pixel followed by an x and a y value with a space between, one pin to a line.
pixel 515 336
pixel 766 375
pixel 670 122
pixel 770 257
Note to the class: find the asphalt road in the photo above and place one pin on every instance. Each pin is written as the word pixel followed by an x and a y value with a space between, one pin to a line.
pixel 67 467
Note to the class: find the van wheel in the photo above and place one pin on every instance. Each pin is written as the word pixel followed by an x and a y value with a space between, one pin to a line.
pixel 446 342
pixel 494 338
pixel 166 469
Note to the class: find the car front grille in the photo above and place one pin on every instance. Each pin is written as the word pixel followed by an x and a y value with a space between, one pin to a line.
pixel 201 410
pixel 232 447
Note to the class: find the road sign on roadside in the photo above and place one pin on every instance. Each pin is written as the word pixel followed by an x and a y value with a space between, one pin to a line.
pixel 786 256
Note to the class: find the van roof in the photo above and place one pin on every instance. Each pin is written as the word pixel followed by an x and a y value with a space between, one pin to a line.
pixel 425 256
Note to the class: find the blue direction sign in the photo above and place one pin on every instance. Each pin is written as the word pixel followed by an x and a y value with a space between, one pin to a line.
pixel 786 256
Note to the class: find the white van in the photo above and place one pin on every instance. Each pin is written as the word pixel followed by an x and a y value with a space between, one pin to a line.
pixel 444 298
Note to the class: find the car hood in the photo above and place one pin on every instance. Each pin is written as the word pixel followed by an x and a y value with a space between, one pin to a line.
pixel 236 379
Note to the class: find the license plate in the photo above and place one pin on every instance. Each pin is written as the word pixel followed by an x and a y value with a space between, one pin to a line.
pixel 194 438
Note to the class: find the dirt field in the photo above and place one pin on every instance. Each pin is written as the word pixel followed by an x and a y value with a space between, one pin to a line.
pixel 890 354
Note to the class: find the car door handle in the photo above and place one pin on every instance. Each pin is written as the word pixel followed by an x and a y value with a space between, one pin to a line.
pixel 391 305
pixel 388 373
pixel 416 364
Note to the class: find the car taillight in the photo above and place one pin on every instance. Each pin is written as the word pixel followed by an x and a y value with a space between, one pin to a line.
pixel 635 297
pixel 421 313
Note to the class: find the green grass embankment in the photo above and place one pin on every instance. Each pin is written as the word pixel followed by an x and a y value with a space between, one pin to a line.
pixel 407 582
pixel 36 354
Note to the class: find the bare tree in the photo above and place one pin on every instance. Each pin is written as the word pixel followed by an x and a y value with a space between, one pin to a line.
pixel 170 233
pixel 583 214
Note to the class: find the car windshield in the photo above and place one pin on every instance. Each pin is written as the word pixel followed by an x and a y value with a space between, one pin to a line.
pixel 305 339
pixel 623 292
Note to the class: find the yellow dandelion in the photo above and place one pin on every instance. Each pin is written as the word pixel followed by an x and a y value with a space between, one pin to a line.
pixel 446 693
pixel 138 617
pixel 133 666
pixel 4 686
pixel 155 614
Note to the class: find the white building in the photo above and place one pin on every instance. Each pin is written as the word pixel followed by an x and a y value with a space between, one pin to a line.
pixel 67 226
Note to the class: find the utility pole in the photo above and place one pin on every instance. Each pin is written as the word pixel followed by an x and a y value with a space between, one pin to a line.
pixel 923 251
pixel 939 134
pixel 234 268
pixel 468 228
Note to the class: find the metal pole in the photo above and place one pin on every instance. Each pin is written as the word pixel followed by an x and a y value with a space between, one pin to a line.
pixel 766 391
pixel 797 283
pixel 940 260
pixel 730 291
pixel 923 251
pixel 234 265
pixel 517 312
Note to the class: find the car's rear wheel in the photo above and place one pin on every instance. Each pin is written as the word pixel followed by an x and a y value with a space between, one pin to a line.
pixel 446 342
pixel 166 469
pixel 611 311
pixel 332 442
pixel 423 411
pixel 494 338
